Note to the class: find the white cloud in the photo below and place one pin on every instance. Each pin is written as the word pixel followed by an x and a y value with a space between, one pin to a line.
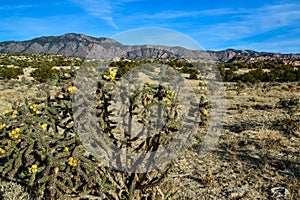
pixel 227 23
pixel 103 9
pixel 201 13
pixel 232 27
pixel 14 7
pixel 98 8
pixel 250 23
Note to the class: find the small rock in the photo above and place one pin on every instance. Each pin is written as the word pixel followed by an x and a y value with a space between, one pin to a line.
pixel 279 191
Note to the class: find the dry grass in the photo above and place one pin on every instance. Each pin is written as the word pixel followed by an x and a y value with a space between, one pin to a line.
pixel 13 191
pixel 252 157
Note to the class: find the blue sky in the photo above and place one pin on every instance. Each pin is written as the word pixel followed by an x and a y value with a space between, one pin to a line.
pixel 214 24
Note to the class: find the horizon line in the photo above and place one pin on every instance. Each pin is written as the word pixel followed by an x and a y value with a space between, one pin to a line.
pixel 105 37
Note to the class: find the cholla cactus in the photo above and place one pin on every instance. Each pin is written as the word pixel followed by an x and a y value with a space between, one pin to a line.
pixel 33 150
pixel 41 148
pixel 147 102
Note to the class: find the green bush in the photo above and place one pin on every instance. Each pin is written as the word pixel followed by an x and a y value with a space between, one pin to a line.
pixel 124 66
pixel 193 76
pixel 44 74
pixel 253 76
pixel 22 63
pixel 278 72
pixel 5 60
pixel 10 72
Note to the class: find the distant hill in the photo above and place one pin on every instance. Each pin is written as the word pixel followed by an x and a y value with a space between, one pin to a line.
pixel 81 45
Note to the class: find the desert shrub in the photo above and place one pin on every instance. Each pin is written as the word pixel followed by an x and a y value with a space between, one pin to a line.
pixel 22 63
pixel 288 103
pixel 290 124
pixel 193 72
pixel 182 66
pixel 184 69
pixel 290 74
pixel 5 60
pixel 221 69
pixel 122 70
pixel 177 63
pixel 242 126
pixel 230 75
pixel 189 69
pixel 193 76
pixel 60 60
pixel 10 72
pixel 42 63
pixel 78 62
pixel 44 73
pixel 124 66
pixel 278 72
pixel 234 66
pixel 291 105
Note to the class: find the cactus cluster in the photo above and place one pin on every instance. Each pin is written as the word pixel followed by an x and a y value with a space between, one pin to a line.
pixel 40 146
pixel 131 182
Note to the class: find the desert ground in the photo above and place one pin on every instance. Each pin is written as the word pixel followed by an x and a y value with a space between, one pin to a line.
pixel 258 149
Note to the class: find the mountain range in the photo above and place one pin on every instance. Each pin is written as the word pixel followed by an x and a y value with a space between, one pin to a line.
pixel 81 45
